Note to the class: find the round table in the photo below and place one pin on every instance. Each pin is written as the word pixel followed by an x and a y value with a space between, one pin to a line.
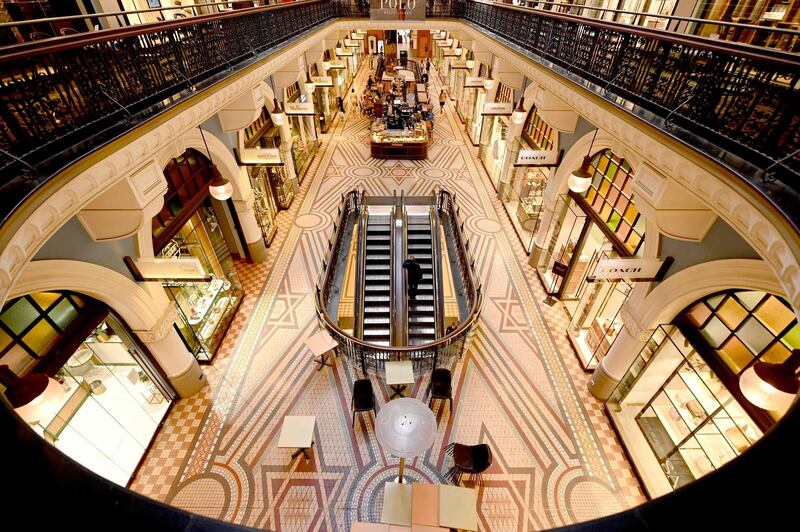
pixel 405 427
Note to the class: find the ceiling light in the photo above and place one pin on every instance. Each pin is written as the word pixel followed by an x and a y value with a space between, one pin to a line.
pixel 520 114
pixel 309 85
pixel 580 180
pixel 772 386
pixel 278 116
pixel 488 83
pixel 32 396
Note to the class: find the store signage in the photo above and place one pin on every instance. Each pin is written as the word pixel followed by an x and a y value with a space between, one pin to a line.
pixel 350 43
pixel 629 269
pixel 560 269
pixel 357 36
pixel 337 65
pixel 343 52
pixel 322 81
pixel 537 158
pixel 173 269
pixel 444 43
pixel 264 156
pixel 451 52
pixel 497 109
pixel 397 9
pixel 460 65
pixel 300 108
pixel 474 82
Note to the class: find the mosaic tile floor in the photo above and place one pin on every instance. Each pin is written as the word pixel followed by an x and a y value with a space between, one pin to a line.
pixel 519 387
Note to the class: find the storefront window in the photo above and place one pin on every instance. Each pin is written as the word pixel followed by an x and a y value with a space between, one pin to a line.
pixel 672 410
pixel 111 400
pixel 596 322
pixel 563 236
pixel 474 117
pixel 493 149
pixel 523 200
pixel 206 309
pixel 736 329
pixel 304 137
pixel 460 76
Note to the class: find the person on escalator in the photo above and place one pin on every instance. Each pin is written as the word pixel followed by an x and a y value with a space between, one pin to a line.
pixel 414 275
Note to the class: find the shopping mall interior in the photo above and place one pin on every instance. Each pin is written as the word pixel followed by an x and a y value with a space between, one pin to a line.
pixel 396 265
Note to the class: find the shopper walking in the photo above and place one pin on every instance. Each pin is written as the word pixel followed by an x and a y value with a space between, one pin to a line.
pixel 442 100
pixel 413 277
pixel 340 106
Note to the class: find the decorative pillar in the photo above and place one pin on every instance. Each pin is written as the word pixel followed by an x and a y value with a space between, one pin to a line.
pixel 628 344
pixel 254 239
pixel 171 354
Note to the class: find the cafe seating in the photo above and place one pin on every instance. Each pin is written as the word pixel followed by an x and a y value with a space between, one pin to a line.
pixel 441 386
pixel 470 459
pixel 363 398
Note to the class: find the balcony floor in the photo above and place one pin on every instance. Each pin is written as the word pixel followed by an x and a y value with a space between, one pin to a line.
pixel 519 387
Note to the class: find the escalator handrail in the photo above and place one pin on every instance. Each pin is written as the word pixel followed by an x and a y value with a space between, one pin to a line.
pixel 404 284
pixel 361 272
pixel 436 274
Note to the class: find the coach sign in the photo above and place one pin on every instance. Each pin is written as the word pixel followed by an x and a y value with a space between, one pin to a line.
pixel 630 269
pixel 397 9
pixel 537 158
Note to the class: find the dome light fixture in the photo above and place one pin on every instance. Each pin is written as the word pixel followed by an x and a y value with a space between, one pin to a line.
pixel 219 187
pixel 470 61
pixel 326 64
pixel 309 85
pixel 488 83
pixel 580 180
pixel 458 51
pixel 278 116
pixel 32 396
pixel 772 386
pixel 520 114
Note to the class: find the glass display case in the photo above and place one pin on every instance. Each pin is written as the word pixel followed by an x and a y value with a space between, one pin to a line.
pixel 523 198
pixel 595 321
pixel 561 242
pixel 205 309
pixel 674 410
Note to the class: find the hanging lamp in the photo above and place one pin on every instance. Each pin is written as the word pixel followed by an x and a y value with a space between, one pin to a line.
pixel 580 180
pixel 520 114
pixel 32 396
pixel 309 85
pixel 219 187
pixel 772 386
pixel 278 116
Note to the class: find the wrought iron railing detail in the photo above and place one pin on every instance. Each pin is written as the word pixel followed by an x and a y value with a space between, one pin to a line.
pixel 441 352
pixel 743 100
pixel 67 97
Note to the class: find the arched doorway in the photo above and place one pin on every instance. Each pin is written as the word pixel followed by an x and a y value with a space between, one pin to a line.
pixel 679 407
pixel 111 396
pixel 191 224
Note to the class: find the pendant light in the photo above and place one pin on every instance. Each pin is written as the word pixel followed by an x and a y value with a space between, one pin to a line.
pixel 309 85
pixel 219 187
pixel 278 116
pixel 470 60
pixel 772 386
pixel 32 396
pixel 520 114
pixel 458 51
pixel 488 83
pixel 580 180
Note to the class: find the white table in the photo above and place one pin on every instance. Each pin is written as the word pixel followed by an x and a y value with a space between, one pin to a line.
pixel 398 375
pixel 396 504
pixel 321 345
pixel 297 432
pixel 458 507
pixel 405 427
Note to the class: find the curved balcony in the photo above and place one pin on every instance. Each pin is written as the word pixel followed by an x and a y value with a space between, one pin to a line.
pixel 371 356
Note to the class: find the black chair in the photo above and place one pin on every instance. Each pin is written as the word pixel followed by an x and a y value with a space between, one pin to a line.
pixel 470 459
pixel 363 398
pixel 441 386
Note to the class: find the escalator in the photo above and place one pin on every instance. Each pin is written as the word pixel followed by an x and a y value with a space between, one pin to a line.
pixel 421 310
pixel 376 326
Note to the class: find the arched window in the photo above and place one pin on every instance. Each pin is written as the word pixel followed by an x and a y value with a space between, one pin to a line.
pixel 611 197
pixel 734 329
pixel 187 176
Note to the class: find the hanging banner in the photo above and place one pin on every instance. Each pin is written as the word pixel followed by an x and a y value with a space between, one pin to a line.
pixel 172 269
pixel 497 109
pixel 629 269
pixel 474 82
pixel 537 158
pixel 397 9
pixel 322 81
pixel 299 108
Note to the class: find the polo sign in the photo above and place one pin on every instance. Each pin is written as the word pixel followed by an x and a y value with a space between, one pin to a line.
pixel 629 269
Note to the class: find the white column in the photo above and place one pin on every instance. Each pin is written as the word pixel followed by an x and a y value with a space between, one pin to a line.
pixel 171 354
pixel 628 344
pixel 253 237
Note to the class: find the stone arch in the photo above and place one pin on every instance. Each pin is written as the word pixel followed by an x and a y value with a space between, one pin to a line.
pixel 679 291
pixel 133 303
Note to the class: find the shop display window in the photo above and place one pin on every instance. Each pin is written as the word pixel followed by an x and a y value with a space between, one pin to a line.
pixel 205 309
pixel 492 152
pixel 111 398
pixel 523 200
pixel 595 322
pixel 474 118
pixel 611 197
pixel 563 237
pixel 304 137
pixel 672 409
pixel 737 328
pixel 537 133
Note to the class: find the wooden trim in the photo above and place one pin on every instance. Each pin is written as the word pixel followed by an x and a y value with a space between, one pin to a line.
pixel 619 247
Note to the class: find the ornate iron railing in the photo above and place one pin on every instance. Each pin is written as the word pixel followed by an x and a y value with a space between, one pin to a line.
pixel 441 352
pixel 741 99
